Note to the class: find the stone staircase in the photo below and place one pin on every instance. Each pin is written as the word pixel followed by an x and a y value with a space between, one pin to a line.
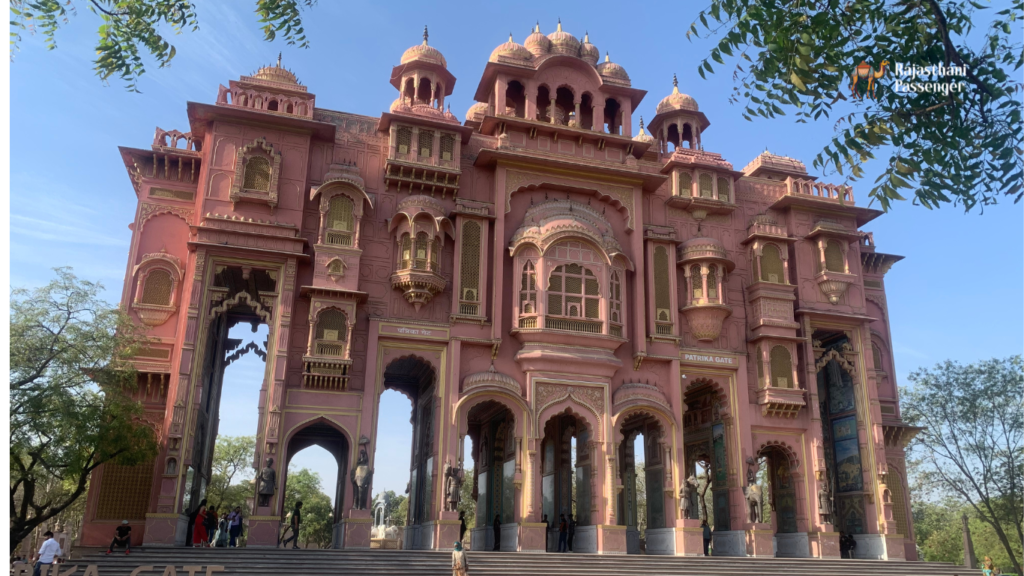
pixel 271 562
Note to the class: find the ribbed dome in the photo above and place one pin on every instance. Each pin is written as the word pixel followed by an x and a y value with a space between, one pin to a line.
pixel 448 114
pixel 424 53
pixel 476 112
pixel 610 69
pixel 677 100
pixel 398 105
pixel 643 136
pixel 588 51
pixel 537 43
pixel 276 74
pixel 564 43
pixel 511 50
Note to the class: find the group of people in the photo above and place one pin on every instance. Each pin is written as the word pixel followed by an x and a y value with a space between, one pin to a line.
pixel 208 529
pixel 846 545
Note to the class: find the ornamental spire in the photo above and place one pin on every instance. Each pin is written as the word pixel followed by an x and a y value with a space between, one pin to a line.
pixel 559 24
pixel 278 59
pixel 425 34
pixel 675 84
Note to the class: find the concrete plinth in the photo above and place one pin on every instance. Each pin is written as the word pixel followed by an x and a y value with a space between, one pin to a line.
pixel 357 529
pixel 824 544
pixel 661 541
pixel 585 540
pixel 610 540
pixel 729 543
pixel 446 531
pixel 759 538
pixel 264 531
pixel 165 530
pixel 482 539
pixel 509 537
pixel 793 545
pixel 895 548
pixel 869 547
pixel 689 537
pixel 632 540
pixel 532 537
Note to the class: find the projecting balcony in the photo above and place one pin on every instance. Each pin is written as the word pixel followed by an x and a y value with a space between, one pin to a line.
pixel 568 330
pixel 325 372
pixel 780 402
pixel 419 283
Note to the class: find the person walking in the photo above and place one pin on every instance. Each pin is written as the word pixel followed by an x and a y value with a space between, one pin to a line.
pixel 295 523
pixel 122 537
pixel 211 524
pixel 460 564
pixel 497 533
pixel 707 536
pixel 234 526
pixel 462 526
pixel 221 540
pixel 199 536
pixel 47 553
pixel 563 530
pixel 189 531
pixel 547 530
pixel 572 531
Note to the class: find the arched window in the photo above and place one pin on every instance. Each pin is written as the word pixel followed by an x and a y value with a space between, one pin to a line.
pixel 331 332
pixel 834 257
pixel 257 174
pixel 157 288
pixel 426 143
pixel 272 106
pixel 706 186
pixel 662 286
pixel 696 282
pixel 528 290
pixel 336 267
pixel 340 223
pixel 404 140
pixel 616 297
pixel 469 273
pixel 782 367
pixel 771 265
pixel 712 282
pixel 405 252
pixel 447 147
pixel 685 184
pixel 723 188
pixel 421 249
pixel 573 291
pixel 876 356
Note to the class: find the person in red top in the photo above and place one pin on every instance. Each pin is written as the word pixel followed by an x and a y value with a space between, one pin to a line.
pixel 199 536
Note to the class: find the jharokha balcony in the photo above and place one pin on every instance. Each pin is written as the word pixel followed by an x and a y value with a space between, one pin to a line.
pixel 705 264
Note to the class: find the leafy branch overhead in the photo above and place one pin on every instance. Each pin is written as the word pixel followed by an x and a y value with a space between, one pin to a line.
pixel 133 31
pixel 961 147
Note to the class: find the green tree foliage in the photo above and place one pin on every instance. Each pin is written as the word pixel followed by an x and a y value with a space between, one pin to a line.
pixel 230 481
pixel 130 28
pixel 466 502
pixel 71 397
pixel 971 449
pixel 960 147
pixel 317 513
pixel 641 498
pixel 394 514
pixel 938 530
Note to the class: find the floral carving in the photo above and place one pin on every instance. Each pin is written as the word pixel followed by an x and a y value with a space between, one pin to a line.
pixel 516 180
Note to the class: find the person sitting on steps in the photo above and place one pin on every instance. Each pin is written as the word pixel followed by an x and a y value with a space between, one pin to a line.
pixel 122 537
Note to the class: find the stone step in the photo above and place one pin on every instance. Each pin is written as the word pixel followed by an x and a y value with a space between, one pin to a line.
pixel 259 562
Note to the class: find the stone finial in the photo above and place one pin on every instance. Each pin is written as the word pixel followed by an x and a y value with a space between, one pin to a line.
pixel 537 28
pixel 278 59
pixel 586 36
pixel 641 123
pixel 675 84
pixel 559 25
pixel 426 35
pixel 607 58
pixel 510 37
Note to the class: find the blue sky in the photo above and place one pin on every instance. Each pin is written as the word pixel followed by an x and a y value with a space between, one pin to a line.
pixel 956 295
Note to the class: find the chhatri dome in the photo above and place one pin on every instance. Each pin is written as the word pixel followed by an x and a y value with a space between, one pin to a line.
pixel 424 53
pixel 610 69
pixel 588 51
pixel 537 43
pixel 677 100
pixel 276 73
pixel 564 43
pixel 511 50
pixel 643 137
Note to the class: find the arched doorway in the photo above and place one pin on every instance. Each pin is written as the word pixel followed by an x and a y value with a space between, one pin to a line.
pixel 779 508
pixel 707 451
pixel 416 378
pixel 492 431
pixel 324 435
pixel 641 503
pixel 566 479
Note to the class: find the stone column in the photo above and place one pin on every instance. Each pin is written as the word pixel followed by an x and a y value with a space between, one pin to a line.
pixel 551 111
pixel 627 118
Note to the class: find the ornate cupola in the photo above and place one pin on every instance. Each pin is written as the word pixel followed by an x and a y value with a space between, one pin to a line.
pixel 589 52
pixel 511 52
pixel 678 122
pixel 419 228
pixel 831 242
pixel 613 73
pixel 563 42
pixel 273 89
pixel 705 264
pixel 537 43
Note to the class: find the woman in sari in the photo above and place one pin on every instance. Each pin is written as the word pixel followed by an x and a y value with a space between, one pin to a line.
pixel 199 535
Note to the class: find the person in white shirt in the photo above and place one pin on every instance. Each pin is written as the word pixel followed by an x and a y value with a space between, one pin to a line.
pixel 47 553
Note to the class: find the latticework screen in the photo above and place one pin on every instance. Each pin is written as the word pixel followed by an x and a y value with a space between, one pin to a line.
pixel 404 140
pixel 782 367
pixel 723 188
pixel 339 215
pixel 760 367
pixel 257 174
pixel 426 143
pixel 712 281
pixel 707 186
pixel 332 325
pixel 435 251
pixel 421 248
pixel 447 147
pixel 470 264
pixel 573 291
pixel 157 288
pixel 528 290
pixel 616 295
pixel 771 265
pixel 894 483
pixel 124 492
pixel 662 286
pixel 685 184
pixel 834 257
pixel 405 250
pixel 696 281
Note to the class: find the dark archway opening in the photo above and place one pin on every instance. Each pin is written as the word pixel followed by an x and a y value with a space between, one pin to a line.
pixel 315 513
pixel 492 431
pixel 641 504
pixel 515 99
pixel 566 477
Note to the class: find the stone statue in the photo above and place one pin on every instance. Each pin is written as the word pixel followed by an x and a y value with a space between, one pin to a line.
pixel 753 496
pixel 825 504
pixel 268 483
pixel 362 476
pixel 452 486
pixel 686 493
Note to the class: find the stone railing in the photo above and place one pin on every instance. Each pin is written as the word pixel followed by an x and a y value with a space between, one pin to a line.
pixel 839 193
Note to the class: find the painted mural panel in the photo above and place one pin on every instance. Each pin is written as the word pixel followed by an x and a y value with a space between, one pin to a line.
pixel 721 463
pixel 507 491
pixel 847 455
